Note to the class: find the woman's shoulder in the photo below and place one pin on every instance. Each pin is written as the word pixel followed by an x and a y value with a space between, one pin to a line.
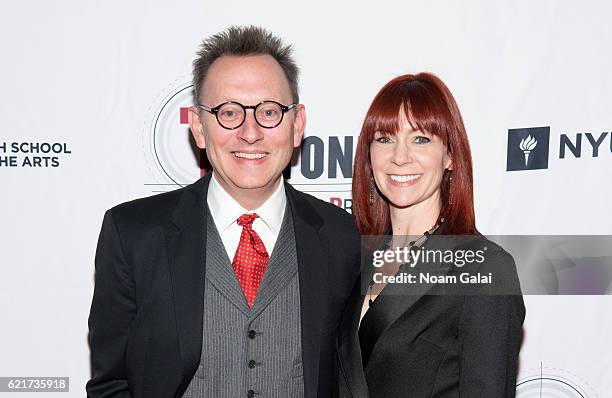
pixel 490 260
pixel 481 242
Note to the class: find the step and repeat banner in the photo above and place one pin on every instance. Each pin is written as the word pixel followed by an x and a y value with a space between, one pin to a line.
pixel 94 99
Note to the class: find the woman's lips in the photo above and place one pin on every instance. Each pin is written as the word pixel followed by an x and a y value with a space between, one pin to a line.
pixel 404 180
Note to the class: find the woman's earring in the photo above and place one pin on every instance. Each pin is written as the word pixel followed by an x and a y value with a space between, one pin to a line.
pixel 371 198
pixel 450 182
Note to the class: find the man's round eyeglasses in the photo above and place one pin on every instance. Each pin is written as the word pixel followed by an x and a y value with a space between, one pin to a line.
pixel 231 114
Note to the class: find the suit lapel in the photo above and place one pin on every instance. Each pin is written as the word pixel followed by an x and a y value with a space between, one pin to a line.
pixel 186 246
pixel 348 348
pixel 312 271
pixel 396 299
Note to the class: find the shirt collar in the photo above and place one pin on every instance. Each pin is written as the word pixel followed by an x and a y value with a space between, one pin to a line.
pixel 225 210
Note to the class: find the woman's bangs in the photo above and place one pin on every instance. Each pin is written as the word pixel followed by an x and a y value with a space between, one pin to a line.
pixel 427 113
pixel 384 114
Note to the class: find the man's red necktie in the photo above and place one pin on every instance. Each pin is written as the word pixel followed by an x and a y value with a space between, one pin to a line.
pixel 251 258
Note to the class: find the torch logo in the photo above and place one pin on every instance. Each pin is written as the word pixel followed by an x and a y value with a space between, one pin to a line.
pixel 528 148
pixel 527 145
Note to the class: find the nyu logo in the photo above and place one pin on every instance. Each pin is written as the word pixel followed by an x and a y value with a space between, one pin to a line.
pixel 528 148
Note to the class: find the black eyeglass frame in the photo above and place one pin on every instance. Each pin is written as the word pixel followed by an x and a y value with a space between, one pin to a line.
pixel 215 111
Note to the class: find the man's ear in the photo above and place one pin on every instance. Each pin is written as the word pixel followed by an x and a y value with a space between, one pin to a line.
pixel 299 124
pixel 197 128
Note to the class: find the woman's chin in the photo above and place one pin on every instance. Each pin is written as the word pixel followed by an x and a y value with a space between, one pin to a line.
pixel 401 203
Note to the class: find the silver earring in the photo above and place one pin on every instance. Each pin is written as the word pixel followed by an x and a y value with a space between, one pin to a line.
pixel 371 198
pixel 450 181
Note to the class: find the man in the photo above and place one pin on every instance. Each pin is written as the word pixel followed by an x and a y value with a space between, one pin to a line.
pixel 232 286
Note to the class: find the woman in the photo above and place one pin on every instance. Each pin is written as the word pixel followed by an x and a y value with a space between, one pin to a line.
pixel 413 183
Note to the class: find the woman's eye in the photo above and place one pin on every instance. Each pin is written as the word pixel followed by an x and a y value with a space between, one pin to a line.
pixel 383 140
pixel 421 139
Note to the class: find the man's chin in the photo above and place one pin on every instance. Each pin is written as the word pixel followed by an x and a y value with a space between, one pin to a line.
pixel 255 184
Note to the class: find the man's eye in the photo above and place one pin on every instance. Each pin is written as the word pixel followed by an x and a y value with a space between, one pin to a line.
pixel 269 113
pixel 421 139
pixel 228 113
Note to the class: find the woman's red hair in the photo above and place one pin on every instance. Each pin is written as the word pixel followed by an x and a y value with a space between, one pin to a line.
pixel 429 106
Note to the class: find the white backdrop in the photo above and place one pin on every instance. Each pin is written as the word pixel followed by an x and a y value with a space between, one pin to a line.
pixel 106 81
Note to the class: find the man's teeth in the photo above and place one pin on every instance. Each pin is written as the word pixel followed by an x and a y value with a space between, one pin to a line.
pixel 405 178
pixel 249 155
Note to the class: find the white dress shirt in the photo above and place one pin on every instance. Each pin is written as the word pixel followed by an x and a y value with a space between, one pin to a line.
pixel 225 211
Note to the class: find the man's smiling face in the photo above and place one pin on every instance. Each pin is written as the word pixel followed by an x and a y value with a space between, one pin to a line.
pixel 248 160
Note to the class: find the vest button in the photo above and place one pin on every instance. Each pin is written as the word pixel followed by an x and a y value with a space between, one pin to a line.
pixel 252 364
pixel 250 394
pixel 252 334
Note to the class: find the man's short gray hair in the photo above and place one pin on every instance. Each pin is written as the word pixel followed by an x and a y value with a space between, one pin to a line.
pixel 243 41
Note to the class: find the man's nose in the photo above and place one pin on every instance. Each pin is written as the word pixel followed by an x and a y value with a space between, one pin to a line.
pixel 250 131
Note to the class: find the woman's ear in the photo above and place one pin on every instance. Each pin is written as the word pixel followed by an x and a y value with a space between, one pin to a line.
pixel 448 164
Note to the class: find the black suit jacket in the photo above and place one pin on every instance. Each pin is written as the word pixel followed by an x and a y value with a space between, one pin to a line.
pixel 434 340
pixel 145 324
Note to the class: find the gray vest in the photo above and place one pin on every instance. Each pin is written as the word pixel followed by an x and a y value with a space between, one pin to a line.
pixel 251 352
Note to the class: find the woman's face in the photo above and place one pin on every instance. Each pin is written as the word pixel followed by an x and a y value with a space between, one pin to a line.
pixel 408 167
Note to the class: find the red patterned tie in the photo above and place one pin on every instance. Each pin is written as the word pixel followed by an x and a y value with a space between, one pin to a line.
pixel 251 258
